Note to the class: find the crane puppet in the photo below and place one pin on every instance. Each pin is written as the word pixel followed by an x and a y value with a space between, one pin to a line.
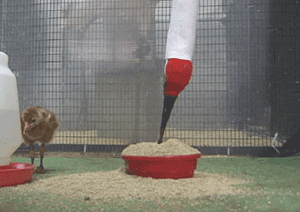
pixel 179 51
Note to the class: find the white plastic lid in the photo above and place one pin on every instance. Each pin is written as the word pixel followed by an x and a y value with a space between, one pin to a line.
pixel 3 59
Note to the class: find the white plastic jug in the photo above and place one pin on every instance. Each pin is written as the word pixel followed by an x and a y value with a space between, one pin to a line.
pixel 10 126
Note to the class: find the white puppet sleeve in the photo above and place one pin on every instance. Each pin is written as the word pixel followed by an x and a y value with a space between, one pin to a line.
pixel 182 31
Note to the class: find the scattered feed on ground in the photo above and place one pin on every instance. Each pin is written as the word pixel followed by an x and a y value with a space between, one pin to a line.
pixel 106 186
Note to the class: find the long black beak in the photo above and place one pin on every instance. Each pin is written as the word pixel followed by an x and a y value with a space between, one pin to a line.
pixel 167 109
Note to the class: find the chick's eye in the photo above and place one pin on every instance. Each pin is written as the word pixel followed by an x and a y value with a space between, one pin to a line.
pixel 33 120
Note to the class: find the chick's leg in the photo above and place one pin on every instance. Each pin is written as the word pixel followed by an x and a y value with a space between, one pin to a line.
pixel 31 153
pixel 42 152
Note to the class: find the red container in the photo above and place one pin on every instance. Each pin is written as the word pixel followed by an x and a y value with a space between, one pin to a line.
pixel 15 173
pixel 162 167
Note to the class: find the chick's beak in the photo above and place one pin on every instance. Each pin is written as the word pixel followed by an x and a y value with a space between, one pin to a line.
pixel 25 127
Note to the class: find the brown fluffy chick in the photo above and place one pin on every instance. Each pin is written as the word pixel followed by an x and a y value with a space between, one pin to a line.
pixel 38 125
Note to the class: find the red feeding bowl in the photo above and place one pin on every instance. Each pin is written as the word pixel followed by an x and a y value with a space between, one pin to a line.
pixel 162 167
pixel 15 173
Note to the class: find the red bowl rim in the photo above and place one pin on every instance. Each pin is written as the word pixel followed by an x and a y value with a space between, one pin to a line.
pixel 162 158
pixel 12 167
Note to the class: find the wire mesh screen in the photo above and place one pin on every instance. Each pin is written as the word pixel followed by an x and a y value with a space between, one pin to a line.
pixel 99 65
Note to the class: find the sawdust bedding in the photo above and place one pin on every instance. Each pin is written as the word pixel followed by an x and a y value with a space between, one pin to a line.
pixel 106 186
pixel 109 185
pixel 170 147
